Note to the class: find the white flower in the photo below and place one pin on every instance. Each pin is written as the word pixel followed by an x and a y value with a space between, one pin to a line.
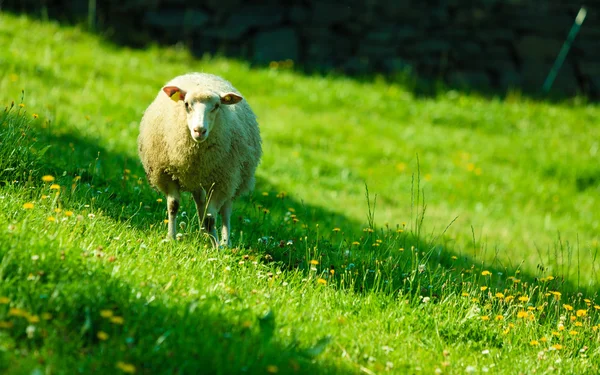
pixel 470 369
pixel 485 351
pixel 30 330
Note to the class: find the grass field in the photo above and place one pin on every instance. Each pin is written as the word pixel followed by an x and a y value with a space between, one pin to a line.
pixel 388 233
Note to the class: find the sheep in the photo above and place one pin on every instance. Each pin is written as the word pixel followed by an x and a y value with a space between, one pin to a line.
pixel 199 135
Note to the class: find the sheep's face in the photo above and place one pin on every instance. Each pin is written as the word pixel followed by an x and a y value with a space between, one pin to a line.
pixel 202 108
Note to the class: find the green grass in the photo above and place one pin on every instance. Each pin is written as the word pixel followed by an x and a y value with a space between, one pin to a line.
pixel 474 249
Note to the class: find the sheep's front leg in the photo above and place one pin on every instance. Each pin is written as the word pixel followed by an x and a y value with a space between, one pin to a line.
pixel 206 216
pixel 226 218
pixel 172 208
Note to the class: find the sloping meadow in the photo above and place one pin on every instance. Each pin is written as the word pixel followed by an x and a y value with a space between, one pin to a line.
pixel 388 232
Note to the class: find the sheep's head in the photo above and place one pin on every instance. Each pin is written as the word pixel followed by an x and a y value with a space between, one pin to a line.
pixel 202 108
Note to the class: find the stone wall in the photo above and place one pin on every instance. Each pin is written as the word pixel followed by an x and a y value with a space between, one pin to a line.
pixel 494 44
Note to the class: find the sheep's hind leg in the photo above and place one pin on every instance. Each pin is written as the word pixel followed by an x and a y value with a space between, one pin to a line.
pixel 172 208
pixel 206 216
pixel 226 218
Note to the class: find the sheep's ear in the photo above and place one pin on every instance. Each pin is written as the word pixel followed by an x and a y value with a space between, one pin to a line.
pixel 174 92
pixel 231 98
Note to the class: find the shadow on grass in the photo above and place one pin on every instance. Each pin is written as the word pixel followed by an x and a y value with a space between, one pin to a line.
pixel 273 225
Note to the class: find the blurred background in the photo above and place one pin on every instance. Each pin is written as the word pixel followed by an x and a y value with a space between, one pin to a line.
pixel 490 45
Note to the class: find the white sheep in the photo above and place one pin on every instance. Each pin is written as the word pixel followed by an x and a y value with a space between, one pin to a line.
pixel 199 135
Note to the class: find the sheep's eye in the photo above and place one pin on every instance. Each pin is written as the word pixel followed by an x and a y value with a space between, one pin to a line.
pixel 187 106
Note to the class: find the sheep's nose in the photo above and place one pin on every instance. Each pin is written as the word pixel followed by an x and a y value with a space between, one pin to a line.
pixel 201 131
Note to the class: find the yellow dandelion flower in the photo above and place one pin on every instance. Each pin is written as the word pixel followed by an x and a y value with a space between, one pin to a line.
pixel 336 229
pixel 543 339
pixel 578 324
pixel 159 200
pixel 28 206
pixel 399 230
pixel 21 105
pixel 568 307
pixel 530 308
pixel 355 243
pixel 265 194
pixel 454 257
pixel 272 369
pixel 375 244
pixel 321 281
pixel 587 301
pixel 550 278
pixel 483 288
pixel 534 342
pixel 499 317
pixel 69 213
pixel 126 367
pixel 117 320
pixel 166 221
pixel 522 314
pixel 523 299
pixel 48 178
pixel 314 262
pixel 55 187
pixel 35 116
pixel 596 307
pixel 516 281
pixel 33 319
pixel 17 312
pixel 554 333
pixel 557 346
pixel 51 218
pixel 509 298
pixel 465 294
pixel 106 313
pixel 499 295
pixel 46 316
pixel 581 313
pixel 486 273
pixel 485 318
pixel 4 324
pixel 4 300
pixel 573 318
pixel 102 335
pixel 561 327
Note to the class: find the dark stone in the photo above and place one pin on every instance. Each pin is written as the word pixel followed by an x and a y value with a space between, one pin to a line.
pixel 509 79
pixel 329 13
pixel 276 45
pixel 469 79
pixel 298 14
pixel 397 65
pixel 589 68
pixel 538 48
pixel 177 21
pixel 366 49
pixel 250 17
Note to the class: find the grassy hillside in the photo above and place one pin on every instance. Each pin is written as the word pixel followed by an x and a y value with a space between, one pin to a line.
pixel 479 227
